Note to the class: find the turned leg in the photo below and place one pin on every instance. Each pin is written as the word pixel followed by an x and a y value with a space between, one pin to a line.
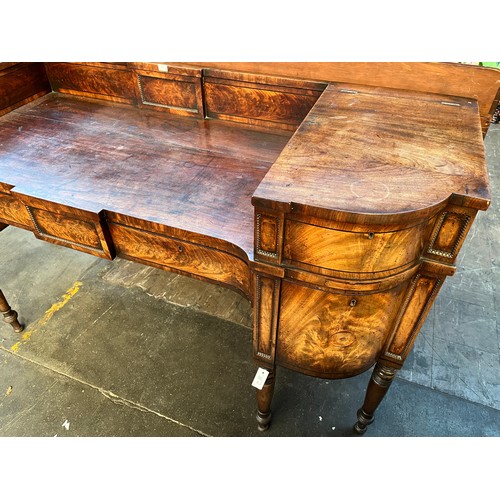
pixel 264 398
pixel 9 316
pixel 378 386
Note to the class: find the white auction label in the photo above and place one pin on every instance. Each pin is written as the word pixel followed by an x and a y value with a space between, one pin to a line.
pixel 260 378
pixel 163 68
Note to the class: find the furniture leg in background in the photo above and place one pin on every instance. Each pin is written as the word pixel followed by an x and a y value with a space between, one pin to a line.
pixel 9 315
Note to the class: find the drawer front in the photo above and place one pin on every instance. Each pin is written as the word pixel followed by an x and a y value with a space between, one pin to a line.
pixel 353 252
pixel 178 255
pixel 12 211
pixel 70 227
pixel 175 95
pixel 335 335
pixel 65 227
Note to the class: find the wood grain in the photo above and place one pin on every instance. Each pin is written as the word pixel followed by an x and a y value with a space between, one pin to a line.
pixel 176 94
pixel 92 80
pixel 65 227
pixel 439 78
pixel 355 252
pixel 160 91
pixel 189 174
pixel 334 335
pixel 420 296
pixel 256 105
pixel 358 216
pixel 449 233
pixel 21 83
pixel 13 212
pixel 179 255
pixel 266 303
pixel 356 157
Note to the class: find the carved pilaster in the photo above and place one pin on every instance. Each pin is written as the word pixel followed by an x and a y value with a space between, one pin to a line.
pixel 418 301
pixel 267 291
pixel 268 237
pixel 449 233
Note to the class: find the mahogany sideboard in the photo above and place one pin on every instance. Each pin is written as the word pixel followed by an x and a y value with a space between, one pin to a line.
pixel 334 196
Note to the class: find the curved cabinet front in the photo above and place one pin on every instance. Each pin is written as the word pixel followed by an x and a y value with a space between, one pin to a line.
pixel 333 334
pixel 364 251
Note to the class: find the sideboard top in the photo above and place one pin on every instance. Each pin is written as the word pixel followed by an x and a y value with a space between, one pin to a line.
pixel 375 151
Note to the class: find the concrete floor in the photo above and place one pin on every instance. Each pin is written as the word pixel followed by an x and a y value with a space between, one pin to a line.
pixel 121 349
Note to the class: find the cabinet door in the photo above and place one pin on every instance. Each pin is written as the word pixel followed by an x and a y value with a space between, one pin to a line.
pixel 333 334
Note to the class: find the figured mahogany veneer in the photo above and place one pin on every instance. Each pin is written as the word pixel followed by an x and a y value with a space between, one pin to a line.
pixel 364 187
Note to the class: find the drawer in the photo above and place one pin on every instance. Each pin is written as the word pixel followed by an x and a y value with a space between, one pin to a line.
pixel 12 211
pixel 65 227
pixel 184 257
pixel 68 226
pixel 179 95
pixel 335 335
pixel 352 252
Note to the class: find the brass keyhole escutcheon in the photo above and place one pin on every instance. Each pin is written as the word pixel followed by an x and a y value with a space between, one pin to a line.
pixel 353 302
pixel 371 235
pixel 180 248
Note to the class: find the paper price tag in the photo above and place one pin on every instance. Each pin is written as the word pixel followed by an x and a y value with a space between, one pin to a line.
pixel 163 68
pixel 260 378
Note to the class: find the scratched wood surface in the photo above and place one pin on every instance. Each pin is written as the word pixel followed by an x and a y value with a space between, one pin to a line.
pixel 358 152
pixel 190 174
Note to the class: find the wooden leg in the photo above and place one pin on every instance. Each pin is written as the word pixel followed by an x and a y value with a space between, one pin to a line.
pixel 264 398
pixel 9 315
pixel 378 386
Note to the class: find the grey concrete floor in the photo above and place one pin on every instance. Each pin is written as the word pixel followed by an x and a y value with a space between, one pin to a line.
pixel 121 349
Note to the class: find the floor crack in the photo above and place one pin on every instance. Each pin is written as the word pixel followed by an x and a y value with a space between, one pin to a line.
pixel 116 399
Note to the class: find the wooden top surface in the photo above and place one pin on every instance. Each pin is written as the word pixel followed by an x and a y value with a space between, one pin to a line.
pixel 374 151
pixel 197 175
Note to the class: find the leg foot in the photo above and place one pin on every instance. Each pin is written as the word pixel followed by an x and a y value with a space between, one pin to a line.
pixel 364 420
pixel 263 420
pixel 378 386
pixel 264 398
pixel 9 315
